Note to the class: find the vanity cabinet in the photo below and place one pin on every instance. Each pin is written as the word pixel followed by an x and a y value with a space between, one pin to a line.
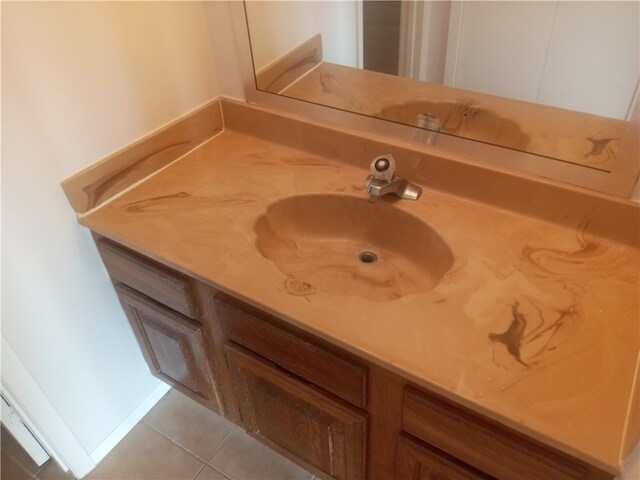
pixel 173 345
pixel 332 412
pixel 478 441
pixel 163 311
pixel 419 461
pixel 167 287
pixel 298 395
pixel 313 361
pixel 294 418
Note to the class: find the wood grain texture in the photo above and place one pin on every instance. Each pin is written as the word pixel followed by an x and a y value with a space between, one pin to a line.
pixel 385 424
pixel 175 347
pixel 480 443
pixel 251 329
pixel 100 181
pixel 217 338
pixel 289 67
pixel 416 461
pixel 146 276
pixel 311 428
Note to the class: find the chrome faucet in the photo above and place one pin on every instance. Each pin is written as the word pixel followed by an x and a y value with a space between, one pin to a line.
pixel 429 121
pixel 383 181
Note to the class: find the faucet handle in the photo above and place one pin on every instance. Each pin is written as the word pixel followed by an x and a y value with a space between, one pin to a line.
pixel 383 167
pixel 367 181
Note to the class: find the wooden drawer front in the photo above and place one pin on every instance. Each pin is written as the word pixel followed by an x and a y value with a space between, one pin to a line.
pixel 480 443
pixel 173 346
pixel 243 325
pixel 415 461
pixel 154 280
pixel 324 436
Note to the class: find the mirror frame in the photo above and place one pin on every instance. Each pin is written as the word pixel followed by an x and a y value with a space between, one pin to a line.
pixel 619 181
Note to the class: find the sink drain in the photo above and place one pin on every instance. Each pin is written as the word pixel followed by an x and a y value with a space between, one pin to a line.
pixel 368 257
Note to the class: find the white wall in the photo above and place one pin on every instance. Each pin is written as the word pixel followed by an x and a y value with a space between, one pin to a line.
pixel 581 55
pixel 223 39
pixel 80 80
pixel 593 62
pixel 502 46
pixel 434 33
pixel 277 27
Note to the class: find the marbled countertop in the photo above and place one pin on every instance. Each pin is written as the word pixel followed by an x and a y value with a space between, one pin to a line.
pixel 535 325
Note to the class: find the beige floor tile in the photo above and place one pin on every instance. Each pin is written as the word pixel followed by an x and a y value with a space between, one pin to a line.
pixel 51 471
pixel 209 473
pixel 13 448
pixel 242 457
pixel 10 469
pixel 189 424
pixel 146 454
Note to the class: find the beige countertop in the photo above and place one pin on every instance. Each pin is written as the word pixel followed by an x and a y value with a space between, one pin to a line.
pixel 536 324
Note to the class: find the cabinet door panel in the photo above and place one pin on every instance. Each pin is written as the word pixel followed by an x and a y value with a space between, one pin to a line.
pixel 247 326
pixel 174 347
pixel 419 462
pixel 323 435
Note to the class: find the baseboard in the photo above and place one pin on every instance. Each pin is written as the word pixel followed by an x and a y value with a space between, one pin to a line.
pixel 125 427
pixel 40 415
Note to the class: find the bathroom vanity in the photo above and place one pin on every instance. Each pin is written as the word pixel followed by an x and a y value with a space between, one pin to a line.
pixel 306 398
pixel 495 336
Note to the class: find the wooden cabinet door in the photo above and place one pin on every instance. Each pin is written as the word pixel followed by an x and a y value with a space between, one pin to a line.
pixel 416 461
pixel 323 435
pixel 174 346
pixel 257 331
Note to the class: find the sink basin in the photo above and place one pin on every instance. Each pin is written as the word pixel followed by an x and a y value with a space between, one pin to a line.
pixel 463 119
pixel 343 245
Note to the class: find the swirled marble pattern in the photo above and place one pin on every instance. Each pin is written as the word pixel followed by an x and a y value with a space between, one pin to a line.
pixel 535 324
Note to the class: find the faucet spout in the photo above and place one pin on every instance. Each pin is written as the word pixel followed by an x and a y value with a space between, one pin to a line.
pixel 398 187
pixel 383 181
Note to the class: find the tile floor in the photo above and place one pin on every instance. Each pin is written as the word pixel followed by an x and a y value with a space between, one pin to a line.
pixel 178 439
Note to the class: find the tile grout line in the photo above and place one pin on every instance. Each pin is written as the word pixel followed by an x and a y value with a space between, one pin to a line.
pixel 205 463
pixel 199 470
pixel 174 442
pixel 220 446
pixel 225 475
pixel 219 471
pixel 40 469
pixel 44 465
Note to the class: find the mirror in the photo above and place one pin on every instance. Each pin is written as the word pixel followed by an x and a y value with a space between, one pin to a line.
pixel 556 79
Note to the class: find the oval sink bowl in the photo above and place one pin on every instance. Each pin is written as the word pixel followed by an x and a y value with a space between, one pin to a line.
pixel 463 119
pixel 344 245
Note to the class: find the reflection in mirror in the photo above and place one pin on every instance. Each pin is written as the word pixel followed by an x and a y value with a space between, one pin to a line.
pixel 557 79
